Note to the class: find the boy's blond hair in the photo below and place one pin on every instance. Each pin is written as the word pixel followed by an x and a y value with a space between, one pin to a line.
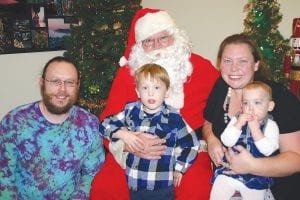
pixel 154 71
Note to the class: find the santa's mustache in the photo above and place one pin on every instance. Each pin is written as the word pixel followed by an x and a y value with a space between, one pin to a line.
pixel 158 54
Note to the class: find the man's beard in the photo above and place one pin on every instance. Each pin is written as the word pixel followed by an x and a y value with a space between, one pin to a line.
pixel 54 109
pixel 175 59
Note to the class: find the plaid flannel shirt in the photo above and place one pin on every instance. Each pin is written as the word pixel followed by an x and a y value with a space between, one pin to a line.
pixel 181 141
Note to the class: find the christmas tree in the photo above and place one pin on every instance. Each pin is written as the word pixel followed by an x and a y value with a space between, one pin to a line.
pixel 96 43
pixel 261 23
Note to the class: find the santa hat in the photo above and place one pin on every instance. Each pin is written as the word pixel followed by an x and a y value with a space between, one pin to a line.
pixel 146 22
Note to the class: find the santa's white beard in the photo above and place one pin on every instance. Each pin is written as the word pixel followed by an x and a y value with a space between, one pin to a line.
pixel 175 59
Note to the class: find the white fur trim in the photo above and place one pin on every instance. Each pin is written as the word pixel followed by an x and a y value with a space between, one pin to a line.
pixel 175 99
pixel 152 23
pixel 123 61
pixel 116 148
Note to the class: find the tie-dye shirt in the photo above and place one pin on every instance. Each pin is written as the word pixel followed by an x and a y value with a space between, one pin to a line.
pixel 42 160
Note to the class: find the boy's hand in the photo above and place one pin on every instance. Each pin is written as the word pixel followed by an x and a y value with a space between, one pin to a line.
pixel 177 176
pixel 154 147
pixel 133 142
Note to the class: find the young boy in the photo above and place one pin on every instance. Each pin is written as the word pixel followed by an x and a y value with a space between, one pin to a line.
pixel 153 179
pixel 254 130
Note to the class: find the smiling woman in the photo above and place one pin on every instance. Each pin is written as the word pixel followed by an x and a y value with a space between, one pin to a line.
pixel 240 63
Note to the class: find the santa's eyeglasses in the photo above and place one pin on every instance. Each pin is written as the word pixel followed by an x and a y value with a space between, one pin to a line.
pixel 163 40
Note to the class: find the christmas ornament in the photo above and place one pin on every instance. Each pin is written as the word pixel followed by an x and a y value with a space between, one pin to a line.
pixel 104 27
pixel 117 25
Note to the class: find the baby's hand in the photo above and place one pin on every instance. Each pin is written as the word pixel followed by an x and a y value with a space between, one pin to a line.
pixel 241 121
pixel 177 176
pixel 254 123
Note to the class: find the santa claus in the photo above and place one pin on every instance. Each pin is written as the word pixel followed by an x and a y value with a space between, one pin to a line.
pixel 155 38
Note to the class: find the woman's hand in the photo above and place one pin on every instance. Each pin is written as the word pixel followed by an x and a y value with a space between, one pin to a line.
pixel 214 146
pixel 239 163
pixel 215 150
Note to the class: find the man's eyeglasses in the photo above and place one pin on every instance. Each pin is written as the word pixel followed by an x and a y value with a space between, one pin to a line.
pixel 164 40
pixel 58 82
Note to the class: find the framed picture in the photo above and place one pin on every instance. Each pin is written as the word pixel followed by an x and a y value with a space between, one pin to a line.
pixel 34 25
pixel 58 29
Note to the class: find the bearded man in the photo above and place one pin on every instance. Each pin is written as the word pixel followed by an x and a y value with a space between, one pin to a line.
pixel 50 149
pixel 155 38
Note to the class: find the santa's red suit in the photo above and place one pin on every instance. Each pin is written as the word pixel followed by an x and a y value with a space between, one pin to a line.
pixel 110 182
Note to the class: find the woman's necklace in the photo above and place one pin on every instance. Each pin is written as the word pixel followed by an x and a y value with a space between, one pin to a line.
pixel 226 105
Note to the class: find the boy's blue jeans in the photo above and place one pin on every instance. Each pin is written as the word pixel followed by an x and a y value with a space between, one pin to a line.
pixel 160 194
